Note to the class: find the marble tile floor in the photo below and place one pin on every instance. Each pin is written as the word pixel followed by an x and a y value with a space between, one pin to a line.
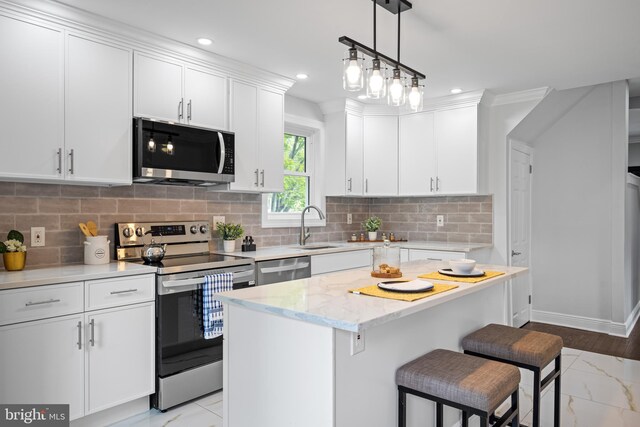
pixel 597 391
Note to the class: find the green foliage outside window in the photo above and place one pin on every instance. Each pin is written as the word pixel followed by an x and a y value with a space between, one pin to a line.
pixel 296 187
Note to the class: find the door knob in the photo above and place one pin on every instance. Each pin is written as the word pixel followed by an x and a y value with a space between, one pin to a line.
pixel 514 253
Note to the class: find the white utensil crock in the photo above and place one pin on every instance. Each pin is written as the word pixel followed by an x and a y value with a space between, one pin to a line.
pixel 96 250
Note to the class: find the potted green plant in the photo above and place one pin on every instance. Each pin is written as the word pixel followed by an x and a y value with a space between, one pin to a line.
pixel 372 225
pixel 229 233
pixel 14 252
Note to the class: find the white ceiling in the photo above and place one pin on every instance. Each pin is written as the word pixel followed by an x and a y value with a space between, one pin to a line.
pixel 502 45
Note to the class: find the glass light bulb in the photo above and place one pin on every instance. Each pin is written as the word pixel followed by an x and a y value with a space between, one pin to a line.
pixel 353 72
pixel 375 82
pixel 414 98
pixel 395 90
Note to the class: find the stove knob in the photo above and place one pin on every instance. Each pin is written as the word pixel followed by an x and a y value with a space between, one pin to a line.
pixel 203 229
pixel 128 232
pixel 193 229
pixel 139 231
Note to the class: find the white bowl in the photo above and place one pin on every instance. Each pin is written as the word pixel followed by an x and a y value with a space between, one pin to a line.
pixel 462 266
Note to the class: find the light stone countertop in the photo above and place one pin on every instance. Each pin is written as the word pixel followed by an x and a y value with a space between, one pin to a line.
pixel 325 300
pixel 290 251
pixel 70 273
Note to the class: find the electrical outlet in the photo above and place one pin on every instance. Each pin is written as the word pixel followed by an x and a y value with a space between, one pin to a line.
pixel 357 342
pixel 349 219
pixel 37 236
pixel 440 220
pixel 216 220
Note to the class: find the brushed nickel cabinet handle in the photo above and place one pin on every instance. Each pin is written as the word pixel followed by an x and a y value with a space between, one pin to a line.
pixel 257 172
pixel 432 184
pixel 59 161
pixel 79 335
pixel 189 111
pixel 92 340
pixel 262 178
pixel 71 161
pixel 123 292
pixel 350 184
pixel 366 185
pixel 29 304
pixel 181 108
pixel 437 184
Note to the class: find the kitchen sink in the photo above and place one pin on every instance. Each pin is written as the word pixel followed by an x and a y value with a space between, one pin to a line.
pixel 314 247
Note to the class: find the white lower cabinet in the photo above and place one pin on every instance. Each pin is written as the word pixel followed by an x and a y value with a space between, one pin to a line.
pixel 421 254
pixel 91 360
pixel 326 263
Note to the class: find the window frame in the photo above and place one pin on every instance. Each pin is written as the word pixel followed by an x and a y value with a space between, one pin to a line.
pixel 313 131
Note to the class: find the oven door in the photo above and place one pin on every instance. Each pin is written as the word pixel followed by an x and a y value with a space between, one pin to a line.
pixel 173 152
pixel 180 342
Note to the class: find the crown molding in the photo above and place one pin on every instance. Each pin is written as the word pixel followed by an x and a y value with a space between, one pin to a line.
pixel 492 100
pixel 342 105
pixel 74 19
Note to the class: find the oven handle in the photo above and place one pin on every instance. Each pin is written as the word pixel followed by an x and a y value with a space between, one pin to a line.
pixel 222 152
pixel 281 268
pixel 200 280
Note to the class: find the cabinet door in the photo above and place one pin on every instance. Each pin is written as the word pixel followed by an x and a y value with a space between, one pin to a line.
pixel 381 156
pixel 354 155
pixel 417 164
pixel 271 140
pixel 120 355
pixel 32 107
pixel 43 362
pixel 158 88
pixel 244 121
pixel 98 111
pixel 205 97
pixel 456 134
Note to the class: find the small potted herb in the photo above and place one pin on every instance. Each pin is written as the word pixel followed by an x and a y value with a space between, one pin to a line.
pixel 229 233
pixel 14 252
pixel 372 225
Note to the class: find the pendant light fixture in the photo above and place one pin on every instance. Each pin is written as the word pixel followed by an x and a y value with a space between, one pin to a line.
pixel 378 84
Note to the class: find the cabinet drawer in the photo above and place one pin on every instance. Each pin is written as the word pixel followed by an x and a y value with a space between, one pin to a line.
pixel 327 263
pixel 121 291
pixel 40 302
pixel 421 254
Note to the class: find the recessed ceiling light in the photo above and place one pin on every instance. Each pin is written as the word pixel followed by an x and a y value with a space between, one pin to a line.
pixel 456 90
pixel 204 41
pixel 302 76
pixel 362 96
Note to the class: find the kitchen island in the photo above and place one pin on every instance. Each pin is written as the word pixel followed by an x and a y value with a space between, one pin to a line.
pixel 309 353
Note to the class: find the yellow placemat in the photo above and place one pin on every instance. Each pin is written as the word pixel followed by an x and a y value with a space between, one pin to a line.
pixel 375 291
pixel 437 276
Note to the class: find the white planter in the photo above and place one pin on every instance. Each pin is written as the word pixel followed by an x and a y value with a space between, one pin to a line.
pixel 229 245
pixel 373 235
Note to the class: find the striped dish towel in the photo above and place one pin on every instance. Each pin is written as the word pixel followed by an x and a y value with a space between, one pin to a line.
pixel 212 316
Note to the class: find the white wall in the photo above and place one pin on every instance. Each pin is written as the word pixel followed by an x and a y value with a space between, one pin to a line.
pixel 578 210
pixel 302 108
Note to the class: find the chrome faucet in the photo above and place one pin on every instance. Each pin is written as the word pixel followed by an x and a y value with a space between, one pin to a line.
pixel 304 233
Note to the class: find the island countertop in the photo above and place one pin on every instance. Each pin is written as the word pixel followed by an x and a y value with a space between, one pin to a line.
pixel 326 300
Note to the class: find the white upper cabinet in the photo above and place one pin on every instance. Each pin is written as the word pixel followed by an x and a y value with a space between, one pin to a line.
pixel 354 155
pixel 456 133
pixel 257 119
pixel 417 155
pixel 32 107
pixel 170 90
pixel 99 133
pixel 381 155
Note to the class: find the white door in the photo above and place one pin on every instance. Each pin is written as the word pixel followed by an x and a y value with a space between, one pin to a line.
pixel 381 156
pixel 120 355
pixel 417 164
pixel 205 97
pixel 32 106
pixel 43 362
pixel 456 133
pixel 354 152
pixel 98 111
pixel 158 89
pixel 244 122
pixel 520 233
pixel 271 140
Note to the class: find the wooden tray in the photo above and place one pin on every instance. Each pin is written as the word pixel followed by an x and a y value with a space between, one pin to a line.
pixel 374 241
pixel 385 275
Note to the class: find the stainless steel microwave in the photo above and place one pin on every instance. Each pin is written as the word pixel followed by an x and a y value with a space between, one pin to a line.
pixel 169 153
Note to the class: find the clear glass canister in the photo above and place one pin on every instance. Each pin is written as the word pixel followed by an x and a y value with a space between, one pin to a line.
pixel 386 260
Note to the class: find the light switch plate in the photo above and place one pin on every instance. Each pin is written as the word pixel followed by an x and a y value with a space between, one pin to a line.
pixel 37 236
pixel 216 220
pixel 440 220
pixel 357 342
pixel 349 218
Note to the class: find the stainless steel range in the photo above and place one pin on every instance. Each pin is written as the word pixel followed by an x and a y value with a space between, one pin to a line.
pixel 187 365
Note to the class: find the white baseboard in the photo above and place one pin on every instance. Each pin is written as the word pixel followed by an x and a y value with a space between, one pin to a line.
pixel 624 329
pixel 571 321
pixel 113 415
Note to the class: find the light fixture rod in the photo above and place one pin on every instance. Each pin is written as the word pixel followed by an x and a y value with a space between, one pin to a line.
pixel 394 6
pixel 399 32
pixel 374 26
pixel 384 58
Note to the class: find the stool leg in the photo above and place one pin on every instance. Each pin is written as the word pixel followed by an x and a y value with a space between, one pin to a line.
pixel 556 403
pixel 484 422
pixel 536 398
pixel 465 419
pixel 402 408
pixel 439 417
pixel 515 405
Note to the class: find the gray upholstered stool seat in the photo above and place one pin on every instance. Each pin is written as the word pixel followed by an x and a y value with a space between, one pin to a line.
pixel 526 349
pixel 472 384
pixel 517 345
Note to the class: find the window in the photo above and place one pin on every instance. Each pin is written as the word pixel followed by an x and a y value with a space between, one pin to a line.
pixel 302 177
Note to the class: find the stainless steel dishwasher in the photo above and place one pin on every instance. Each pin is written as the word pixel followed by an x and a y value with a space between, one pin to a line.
pixel 282 270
